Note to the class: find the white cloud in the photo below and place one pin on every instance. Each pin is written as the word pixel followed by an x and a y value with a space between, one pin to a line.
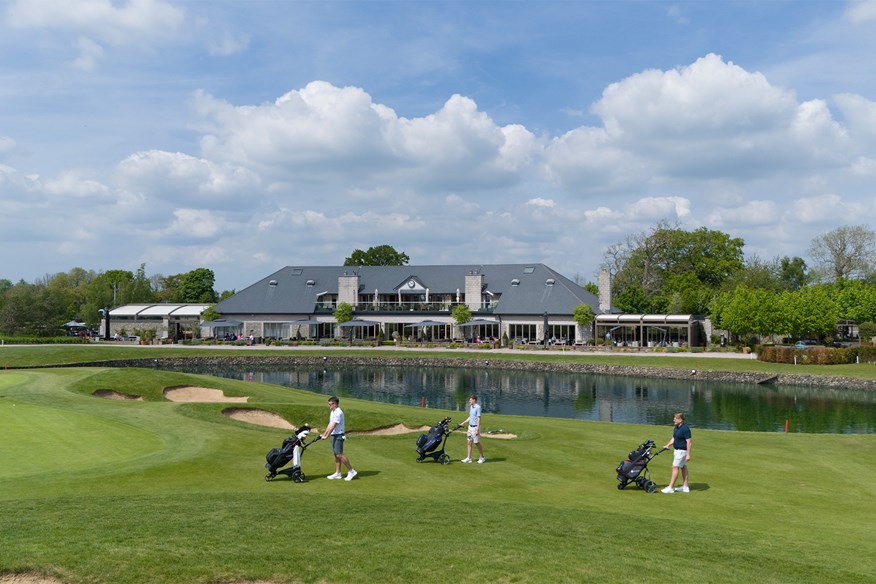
pixel 310 133
pixel 658 208
pixel 71 185
pixel 195 223
pixel 104 20
pixel 818 209
pixel 859 11
pixel 174 176
pixel 541 202
pixel 228 45
pixel 748 214
pixel 90 54
pixel 94 24
pixel 7 145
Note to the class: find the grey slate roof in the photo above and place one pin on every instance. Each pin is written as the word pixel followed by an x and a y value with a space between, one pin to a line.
pixel 287 291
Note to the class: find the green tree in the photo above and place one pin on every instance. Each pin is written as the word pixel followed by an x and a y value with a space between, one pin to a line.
pixel 167 288
pixel 633 300
pixel 855 299
pixel 17 315
pixel 808 311
pixel 866 331
pixel 665 262
pixel 583 316
pixel 210 314
pixel 107 290
pixel 793 273
pixel 461 314
pixel 343 312
pixel 381 255
pixel 196 286
pixel 140 287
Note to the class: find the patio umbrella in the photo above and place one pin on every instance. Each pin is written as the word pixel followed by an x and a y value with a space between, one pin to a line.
pixel 74 324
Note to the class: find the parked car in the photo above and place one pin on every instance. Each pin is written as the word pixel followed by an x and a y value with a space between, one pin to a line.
pixel 799 345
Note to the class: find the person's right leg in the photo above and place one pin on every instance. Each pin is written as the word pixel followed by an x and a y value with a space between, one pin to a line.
pixel 670 488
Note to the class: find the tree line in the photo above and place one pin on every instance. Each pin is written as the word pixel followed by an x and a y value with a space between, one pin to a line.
pixel 666 269
pixel 42 307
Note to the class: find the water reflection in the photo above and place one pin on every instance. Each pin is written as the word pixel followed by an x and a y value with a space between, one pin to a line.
pixel 588 397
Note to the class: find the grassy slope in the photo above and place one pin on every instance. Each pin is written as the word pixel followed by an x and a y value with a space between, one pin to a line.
pixel 96 490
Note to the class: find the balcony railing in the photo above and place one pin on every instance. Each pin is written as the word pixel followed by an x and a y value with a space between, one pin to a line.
pixel 402 307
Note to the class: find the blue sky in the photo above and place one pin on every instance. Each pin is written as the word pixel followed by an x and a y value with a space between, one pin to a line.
pixel 247 136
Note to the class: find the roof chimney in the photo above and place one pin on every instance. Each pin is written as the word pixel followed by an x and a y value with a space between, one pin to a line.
pixel 604 291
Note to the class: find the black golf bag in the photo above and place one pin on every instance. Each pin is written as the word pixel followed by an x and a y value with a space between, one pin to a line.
pixel 290 450
pixel 634 469
pixel 428 444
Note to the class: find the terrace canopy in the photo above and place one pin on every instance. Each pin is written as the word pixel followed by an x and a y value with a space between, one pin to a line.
pixel 222 326
pixel 652 330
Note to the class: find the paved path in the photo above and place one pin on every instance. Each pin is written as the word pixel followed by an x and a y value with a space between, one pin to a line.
pixel 392 349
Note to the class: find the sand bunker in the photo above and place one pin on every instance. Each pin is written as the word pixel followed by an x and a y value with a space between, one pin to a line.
pixel 259 418
pixel 187 393
pixel 501 435
pixel 390 431
pixel 34 579
pixel 110 394
pixel 26 579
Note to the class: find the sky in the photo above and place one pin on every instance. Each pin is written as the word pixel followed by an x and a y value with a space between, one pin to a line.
pixel 248 136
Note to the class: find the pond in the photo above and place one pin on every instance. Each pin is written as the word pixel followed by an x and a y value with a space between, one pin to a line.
pixel 721 406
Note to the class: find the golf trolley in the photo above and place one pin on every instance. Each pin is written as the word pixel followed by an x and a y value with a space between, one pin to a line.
pixel 427 444
pixel 634 469
pixel 290 450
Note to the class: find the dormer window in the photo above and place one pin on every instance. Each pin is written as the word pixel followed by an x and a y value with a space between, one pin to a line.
pixel 550 282
pixel 515 282
pixel 311 283
pixel 272 283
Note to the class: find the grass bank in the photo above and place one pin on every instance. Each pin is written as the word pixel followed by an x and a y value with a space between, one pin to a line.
pixel 30 356
pixel 100 490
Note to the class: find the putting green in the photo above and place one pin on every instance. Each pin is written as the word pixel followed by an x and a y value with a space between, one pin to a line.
pixel 40 439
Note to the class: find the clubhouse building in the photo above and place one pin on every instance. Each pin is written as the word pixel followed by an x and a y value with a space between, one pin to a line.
pixel 523 303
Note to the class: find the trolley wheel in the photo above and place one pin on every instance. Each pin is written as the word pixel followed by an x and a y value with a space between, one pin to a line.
pixel 269 477
pixel 620 486
pixel 651 487
pixel 444 459
pixel 299 478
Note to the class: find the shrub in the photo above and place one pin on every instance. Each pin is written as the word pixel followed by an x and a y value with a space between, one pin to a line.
pixel 44 340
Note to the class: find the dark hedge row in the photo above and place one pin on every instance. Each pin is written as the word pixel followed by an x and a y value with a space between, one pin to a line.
pixel 43 340
pixel 818 355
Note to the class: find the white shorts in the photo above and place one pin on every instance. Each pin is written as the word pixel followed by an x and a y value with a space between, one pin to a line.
pixel 679 458
pixel 473 435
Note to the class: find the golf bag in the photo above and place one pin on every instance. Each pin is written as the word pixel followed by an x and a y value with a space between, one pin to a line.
pixel 290 450
pixel 634 469
pixel 428 444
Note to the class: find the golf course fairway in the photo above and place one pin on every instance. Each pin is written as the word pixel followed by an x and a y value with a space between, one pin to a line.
pixel 99 490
